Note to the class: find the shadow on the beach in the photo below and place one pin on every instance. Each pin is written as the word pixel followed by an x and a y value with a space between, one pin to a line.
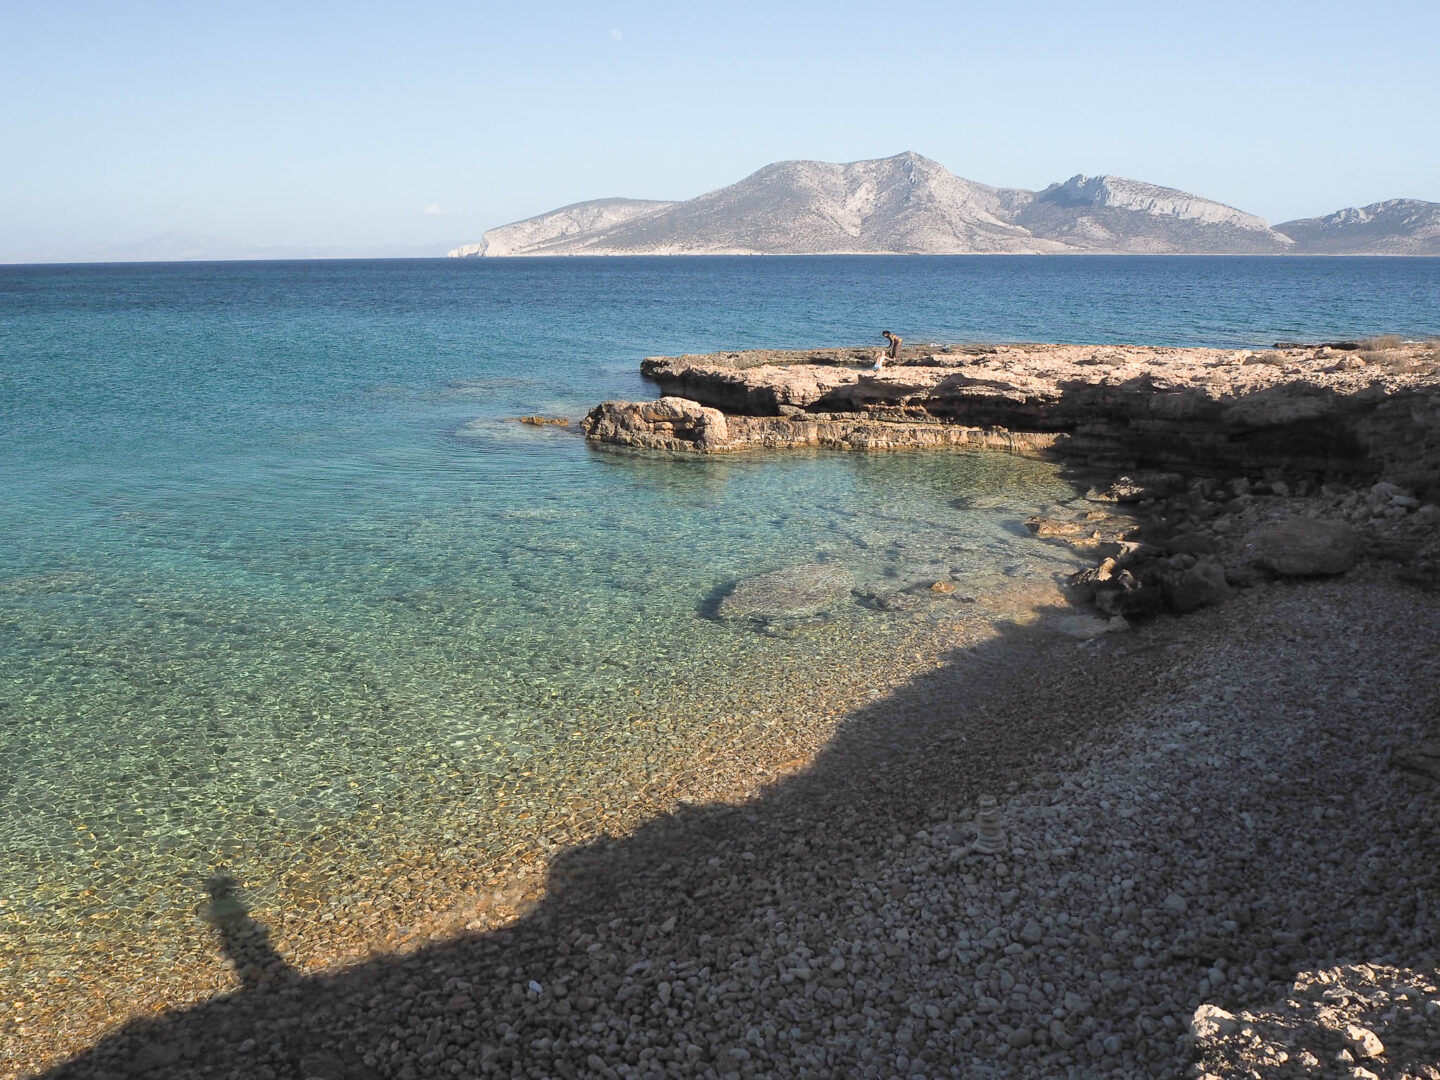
pixel 244 941
pixel 920 754
pixel 687 888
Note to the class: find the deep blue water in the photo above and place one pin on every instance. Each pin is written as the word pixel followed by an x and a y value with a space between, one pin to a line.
pixel 279 574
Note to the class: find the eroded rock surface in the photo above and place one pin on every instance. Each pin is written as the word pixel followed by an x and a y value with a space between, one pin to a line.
pixel 1372 411
pixel 672 423
pixel 675 423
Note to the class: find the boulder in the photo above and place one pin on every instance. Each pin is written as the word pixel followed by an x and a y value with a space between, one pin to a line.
pixel 1201 585
pixel 1364 1043
pixel 672 423
pixel 1134 488
pixel 1127 595
pixel 1191 542
pixel 1304 547
pixel 1212 1022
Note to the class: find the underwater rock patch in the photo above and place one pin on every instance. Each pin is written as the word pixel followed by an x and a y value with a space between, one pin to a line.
pixel 807 591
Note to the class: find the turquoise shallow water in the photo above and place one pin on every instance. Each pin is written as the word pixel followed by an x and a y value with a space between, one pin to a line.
pixel 283 589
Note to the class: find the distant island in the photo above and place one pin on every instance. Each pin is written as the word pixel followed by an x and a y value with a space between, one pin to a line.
pixel 909 204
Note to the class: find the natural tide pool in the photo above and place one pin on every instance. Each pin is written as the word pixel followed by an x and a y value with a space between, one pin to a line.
pixel 286 595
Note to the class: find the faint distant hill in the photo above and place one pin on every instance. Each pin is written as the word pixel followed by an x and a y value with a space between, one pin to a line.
pixel 201 247
pixel 169 247
pixel 901 204
pixel 1393 227
pixel 561 228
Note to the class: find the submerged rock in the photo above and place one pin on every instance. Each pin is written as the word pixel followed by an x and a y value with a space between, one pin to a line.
pixel 1086 530
pixel 808 591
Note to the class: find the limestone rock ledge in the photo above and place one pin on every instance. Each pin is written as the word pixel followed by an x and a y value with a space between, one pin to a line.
pixel 676 423
pixel 1241 464
pixel 672 423
pixel 1360 409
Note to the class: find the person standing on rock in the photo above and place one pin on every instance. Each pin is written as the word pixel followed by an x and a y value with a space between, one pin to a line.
pixel 892 353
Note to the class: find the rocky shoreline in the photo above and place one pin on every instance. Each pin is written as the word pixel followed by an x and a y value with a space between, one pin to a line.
pixel 1213 830
pixel 1229 465
pixel 1346 409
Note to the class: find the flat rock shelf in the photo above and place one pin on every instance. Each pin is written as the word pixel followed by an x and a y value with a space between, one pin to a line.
pixel 1349 410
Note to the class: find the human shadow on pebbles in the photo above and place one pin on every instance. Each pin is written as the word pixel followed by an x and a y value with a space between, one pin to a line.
pixel 1193 812
pixel 244 940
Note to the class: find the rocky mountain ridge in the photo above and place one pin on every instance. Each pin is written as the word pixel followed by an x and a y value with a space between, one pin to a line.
pixel 909 204
pixel 1393 227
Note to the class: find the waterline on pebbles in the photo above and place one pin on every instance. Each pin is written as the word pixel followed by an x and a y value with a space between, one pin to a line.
pixel 1193 812
pixel 356 897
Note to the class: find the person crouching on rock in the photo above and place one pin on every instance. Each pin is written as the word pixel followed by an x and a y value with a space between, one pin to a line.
pixel 892 353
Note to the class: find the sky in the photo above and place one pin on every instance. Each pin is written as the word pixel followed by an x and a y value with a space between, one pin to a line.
pixel 386 128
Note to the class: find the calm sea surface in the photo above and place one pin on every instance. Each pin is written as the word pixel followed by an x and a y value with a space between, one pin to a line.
pixel 284 591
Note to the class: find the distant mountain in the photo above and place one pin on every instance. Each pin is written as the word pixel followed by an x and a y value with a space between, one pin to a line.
pixel 563 228
pixel 903 203
pixel 1111 213
pixel 910 204
pixel 1394 227
pixel 171 247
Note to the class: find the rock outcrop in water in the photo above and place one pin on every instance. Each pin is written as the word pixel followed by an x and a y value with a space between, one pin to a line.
pixel 677 423
pixel 1338 410
pixel 1314 426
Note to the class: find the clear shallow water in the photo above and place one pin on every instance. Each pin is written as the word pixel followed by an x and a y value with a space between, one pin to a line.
pixel 282 590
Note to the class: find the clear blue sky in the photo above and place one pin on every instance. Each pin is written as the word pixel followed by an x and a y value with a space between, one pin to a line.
pixel 417 126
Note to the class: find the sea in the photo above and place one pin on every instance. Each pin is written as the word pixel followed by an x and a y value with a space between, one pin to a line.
pixel 288 595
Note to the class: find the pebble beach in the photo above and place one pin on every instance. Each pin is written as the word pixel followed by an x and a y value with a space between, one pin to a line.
pixel 1205 813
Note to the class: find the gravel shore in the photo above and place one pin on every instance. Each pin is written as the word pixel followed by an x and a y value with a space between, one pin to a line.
pixel 1194 812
